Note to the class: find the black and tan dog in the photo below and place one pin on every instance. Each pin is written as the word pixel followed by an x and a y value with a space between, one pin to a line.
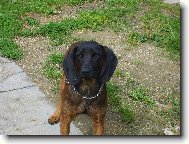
pixel 87 67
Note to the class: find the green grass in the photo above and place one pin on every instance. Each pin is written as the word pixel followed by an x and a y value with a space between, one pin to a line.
pixel 9 49
pixel 52 69
pixel 134 90
pixel 119 73
pixel 114 18
pixel 11 22
pixel 9 25
pixel 127 114
pixel 113 94
pixel 136 38
pixel 163 30
pixel 141 95
pixel 172 112
pixel 160 28
pixel 115 100
pixel 31 21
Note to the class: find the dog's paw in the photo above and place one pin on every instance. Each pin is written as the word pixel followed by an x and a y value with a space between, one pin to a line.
pixel 54 119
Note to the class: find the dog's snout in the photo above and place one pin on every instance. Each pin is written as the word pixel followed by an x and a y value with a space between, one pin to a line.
pixel 86 71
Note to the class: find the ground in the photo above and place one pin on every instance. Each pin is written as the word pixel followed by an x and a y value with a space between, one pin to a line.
pixel 144 69
pixel 147 63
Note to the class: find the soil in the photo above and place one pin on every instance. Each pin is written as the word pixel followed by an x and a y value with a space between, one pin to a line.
pixel 150 66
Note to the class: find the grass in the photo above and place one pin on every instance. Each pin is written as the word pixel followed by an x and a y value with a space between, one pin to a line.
pixel 9 49
pixel 160 28
pixel 96 20
pixel 172 112
pixel 174 107
pixel 31 21
pixel 52 69
pixel 11 22
pixel 115 100
pixel 127 114
pixel 135 91
pixel 141 95
pixel 9 25
pixel 119 73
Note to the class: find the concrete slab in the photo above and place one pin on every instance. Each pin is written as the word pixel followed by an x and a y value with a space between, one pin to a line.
pixel 4 60
pixel 171 1
pixel 15 81
pixel 24 108
pixel 8 69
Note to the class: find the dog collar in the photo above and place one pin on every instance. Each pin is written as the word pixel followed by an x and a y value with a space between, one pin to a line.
pixel 85 97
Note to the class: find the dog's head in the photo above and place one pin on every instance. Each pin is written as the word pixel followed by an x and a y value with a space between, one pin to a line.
pixel 89 59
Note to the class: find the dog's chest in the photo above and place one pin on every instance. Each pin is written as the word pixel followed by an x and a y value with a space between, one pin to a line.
pixel 85 89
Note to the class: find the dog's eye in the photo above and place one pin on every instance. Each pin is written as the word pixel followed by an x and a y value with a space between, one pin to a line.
pixel 79 56
pixel 95 55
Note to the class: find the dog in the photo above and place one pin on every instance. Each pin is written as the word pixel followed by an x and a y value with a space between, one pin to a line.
pixel 87 66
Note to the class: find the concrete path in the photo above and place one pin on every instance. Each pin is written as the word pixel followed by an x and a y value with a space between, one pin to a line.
pixel 171 1
pixel 24 109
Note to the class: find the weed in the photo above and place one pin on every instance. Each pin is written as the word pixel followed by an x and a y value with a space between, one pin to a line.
pixel 32 21
pixel 26 33
pixel 119 73
pixel 138 62
pixel 9 25
pixel 176 106
pixel 136 38
pixel 113 94
pixel 140 94
pixel 116 101
pixel 172 112
pixel 162 29
pixel 9 49
pixel 95 20
pixel 126 114
pixel 130 79
pixel 52 70
pixel 131 5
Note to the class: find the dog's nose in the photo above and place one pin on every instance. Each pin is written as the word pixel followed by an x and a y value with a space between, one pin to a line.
pixel 86 72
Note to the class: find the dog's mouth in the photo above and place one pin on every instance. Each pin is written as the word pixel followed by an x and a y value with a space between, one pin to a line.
pixel 87 75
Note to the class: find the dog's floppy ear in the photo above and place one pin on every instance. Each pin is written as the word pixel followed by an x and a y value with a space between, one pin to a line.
pixel 110 64
pixel 69 66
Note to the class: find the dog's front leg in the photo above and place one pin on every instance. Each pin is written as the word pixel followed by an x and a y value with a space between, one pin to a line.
pixel 65 120
pixel 55 117
pixel 98 123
